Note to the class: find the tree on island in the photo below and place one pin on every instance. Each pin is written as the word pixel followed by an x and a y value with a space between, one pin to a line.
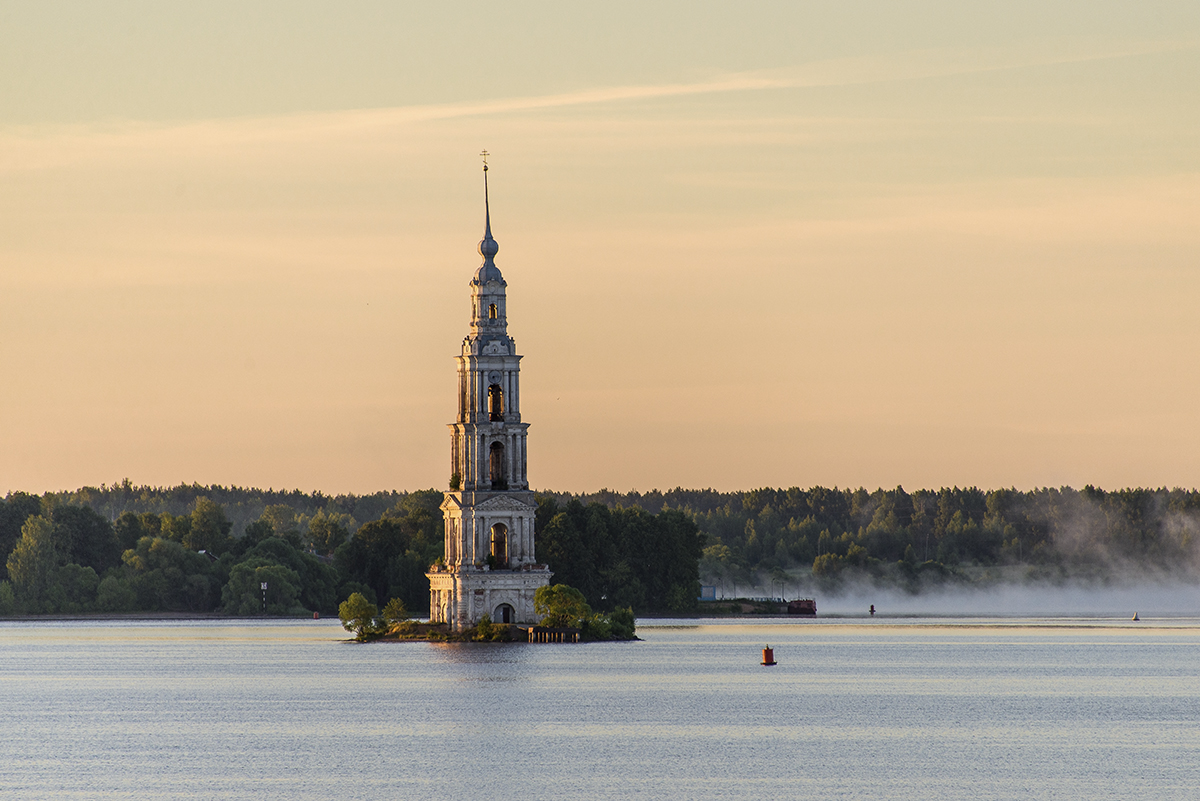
pixel 362 617
pixel 563 607
pixel 358 616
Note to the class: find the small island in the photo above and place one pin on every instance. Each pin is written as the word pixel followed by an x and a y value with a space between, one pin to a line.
pixel 565 616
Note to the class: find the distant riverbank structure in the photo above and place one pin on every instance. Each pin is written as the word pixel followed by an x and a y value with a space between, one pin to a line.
pixel 489 565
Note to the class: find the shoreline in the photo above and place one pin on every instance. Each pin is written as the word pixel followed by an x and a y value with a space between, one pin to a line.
pixel 159 616
pixel 649 619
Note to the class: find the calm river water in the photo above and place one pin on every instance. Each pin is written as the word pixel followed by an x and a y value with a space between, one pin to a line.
pixel 865 709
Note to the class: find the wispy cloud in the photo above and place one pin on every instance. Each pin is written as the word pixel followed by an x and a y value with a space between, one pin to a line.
pixel 873 69
pixel 904 66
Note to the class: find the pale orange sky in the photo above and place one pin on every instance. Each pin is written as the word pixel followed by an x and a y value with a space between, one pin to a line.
pixel 746 245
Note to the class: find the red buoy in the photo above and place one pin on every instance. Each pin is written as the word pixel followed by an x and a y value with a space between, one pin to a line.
pixel 768 656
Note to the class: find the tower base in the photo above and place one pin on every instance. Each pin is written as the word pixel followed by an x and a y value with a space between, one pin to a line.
pixel 461 597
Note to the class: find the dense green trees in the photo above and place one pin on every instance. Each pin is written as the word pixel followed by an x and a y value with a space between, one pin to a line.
pixel 243 594
pixel 183 550
pixel 163 575
pixel 390 555
pixel 32 563
pixel 67 558
pixel 952 534
pixel 208 528
pixel 14 511
pixel 316 581
pixel 242 505
pixel 202 549
pixel 622 557
pixel 61 555
pixel 326 531
pixel 44 566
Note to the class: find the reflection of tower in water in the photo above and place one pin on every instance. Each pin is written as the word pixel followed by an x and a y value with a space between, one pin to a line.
pixel 489 564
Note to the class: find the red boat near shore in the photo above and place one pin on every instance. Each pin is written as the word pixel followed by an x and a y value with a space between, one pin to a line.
pixel 802 606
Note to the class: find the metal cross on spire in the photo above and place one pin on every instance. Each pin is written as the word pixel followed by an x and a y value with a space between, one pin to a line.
pixel 485 155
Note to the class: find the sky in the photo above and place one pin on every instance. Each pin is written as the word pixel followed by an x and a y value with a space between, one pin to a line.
pixel 746 244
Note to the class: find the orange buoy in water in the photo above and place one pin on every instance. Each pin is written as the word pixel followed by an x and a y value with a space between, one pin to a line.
pixel 316 615
pixel 768 656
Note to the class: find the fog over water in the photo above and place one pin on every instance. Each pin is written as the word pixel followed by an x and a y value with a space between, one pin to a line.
pixel 1017 600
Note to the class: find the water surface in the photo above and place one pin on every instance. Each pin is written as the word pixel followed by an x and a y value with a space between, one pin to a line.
pixel 880 709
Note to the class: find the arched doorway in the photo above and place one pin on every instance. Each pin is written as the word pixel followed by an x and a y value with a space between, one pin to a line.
pixel 500 544
pixel 496 466
pixel 505 614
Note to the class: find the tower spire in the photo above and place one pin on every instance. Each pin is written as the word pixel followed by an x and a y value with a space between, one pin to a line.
pixel 488 247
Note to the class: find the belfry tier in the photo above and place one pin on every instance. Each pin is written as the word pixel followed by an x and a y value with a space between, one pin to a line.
pixel 488 438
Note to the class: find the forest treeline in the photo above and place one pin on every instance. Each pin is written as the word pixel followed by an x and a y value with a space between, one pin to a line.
pixel 926 537
pixel 199 549
pixel 126 549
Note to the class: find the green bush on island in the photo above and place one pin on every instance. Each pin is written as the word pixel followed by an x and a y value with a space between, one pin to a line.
pixel 484 628
pixel 396 619
pixel 360 616
pixel 621 623
pixel 564 607
pixel 561 606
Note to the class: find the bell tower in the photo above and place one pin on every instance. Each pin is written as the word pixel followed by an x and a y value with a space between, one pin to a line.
pixel 488 566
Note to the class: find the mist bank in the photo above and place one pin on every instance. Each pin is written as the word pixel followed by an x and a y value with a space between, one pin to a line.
pixel 826 540
pixel 1021 600
pixel 1012 599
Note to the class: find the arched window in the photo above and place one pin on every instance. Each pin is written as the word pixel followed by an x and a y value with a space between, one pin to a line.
pixel 500 544
pixel 491 311
pixel 496 465
pixel 496 402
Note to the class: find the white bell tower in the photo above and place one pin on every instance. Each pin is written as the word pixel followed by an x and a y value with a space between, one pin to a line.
pixel 488 566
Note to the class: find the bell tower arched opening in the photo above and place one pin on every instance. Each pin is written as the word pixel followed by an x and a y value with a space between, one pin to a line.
pixel 496 403
pixel 496 466
pixel 500 545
